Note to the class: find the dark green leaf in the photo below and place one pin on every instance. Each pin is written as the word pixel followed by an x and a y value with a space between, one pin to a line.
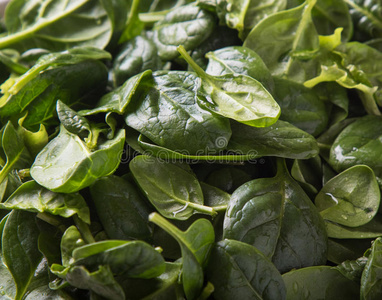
pixel 321 282
pixel 173 190
pixel 174 119
pixel 351 198
pixel 19 249
pixel 134 259
pixel 371 281
pixel 238 270
pixel 277 217
pixel 121 209
pixel 187 25
pixel 55 26
pixel 280 139
pixel 195 244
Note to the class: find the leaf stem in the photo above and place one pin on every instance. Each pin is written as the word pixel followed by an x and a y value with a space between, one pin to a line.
pixel 198 70
pixel 163 223
pixel 84 229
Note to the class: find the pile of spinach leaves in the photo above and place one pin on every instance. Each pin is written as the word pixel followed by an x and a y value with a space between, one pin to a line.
pixel 210 149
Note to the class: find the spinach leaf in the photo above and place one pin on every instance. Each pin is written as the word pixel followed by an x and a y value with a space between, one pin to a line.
pixel 245 14
pixel 195 244
pixel 167 113
pixel 71 239
pixel 280 139
pixel 235 96
pixel 358 144
pixel 32 197
pixel 371 282
pixel 100 281
pixel 19 249
pixel 135 259
pixel 301 106
pixel 372 229
pixel 187 25
pixel 68 57
pixel 277 217
pixel 55 26
pixel 121 209
pixel 66 165
pixel 321 282
pixel 16 154
pixel 281 38
pixel 137 55
pixel 118 100
pixel 175 192
pixel 351 198
pixel 239 60
pixel 72 84
pixel 240 270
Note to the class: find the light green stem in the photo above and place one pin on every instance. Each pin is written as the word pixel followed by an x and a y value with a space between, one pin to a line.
pixel 84 229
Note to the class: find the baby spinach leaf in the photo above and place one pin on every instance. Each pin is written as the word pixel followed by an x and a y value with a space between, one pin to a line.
pixel 245 14
pixel 137 55
pixel 321 282
pixel 280 139
pixel 72 122
pixel 372 229
pixel 353 269
pixel 121 209
pixel 19 249
pixel 32 197
pixel 17 156
pixel 301 106
pixel 67 165
pixel 117 100
pixel 331 14
pixel 281 38
pixel 71 84
pixel 71 239
pixel 100 281
pixel 173 190
pixel 51 60
pixel 55 26
pixel 195 244
pixel 135 259
pixel 371 282
pixel 351 198
pixel 358 143
pixel 187 25
pixel 277 217
pixel 239 60
pixel 240 270
pixel 167 113
pixel 235 96
pixel 134 25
